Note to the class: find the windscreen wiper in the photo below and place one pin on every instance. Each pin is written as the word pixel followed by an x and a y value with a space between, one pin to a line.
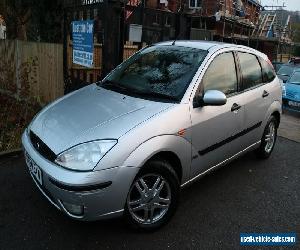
pixel 157 95
pixel 111 85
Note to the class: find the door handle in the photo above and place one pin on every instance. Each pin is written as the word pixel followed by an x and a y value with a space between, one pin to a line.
pixel 265 94
pixel 235 107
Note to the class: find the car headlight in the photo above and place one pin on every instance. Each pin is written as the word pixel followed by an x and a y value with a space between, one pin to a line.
pixel 85 156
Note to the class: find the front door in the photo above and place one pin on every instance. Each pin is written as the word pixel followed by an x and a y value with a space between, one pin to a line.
pixel 214 128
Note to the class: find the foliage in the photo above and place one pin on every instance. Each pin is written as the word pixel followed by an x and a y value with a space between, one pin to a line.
pixel 14 117
pixel 296 32
pixel 17 101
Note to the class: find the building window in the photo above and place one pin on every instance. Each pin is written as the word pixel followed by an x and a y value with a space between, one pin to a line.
pixel 194 4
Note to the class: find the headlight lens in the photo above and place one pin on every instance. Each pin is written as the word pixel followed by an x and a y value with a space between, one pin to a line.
pixel 85 156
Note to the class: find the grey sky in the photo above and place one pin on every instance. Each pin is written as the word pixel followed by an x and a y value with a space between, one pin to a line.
pixel 290 4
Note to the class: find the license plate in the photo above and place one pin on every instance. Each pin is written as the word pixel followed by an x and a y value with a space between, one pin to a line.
pixel 35 171
pixel 294 104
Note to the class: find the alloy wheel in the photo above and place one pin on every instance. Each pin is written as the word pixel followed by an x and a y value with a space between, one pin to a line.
pixel 149 198
pixel 270 137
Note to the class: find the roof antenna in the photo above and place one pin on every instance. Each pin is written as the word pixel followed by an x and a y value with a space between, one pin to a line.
pixel 173 43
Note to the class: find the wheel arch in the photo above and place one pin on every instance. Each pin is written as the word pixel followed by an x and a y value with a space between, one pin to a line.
pixel 277 116
pixel 174 149
pixel 275 110
pixel 172 159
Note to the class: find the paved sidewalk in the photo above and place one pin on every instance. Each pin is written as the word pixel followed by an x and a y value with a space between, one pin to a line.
pixel 290 126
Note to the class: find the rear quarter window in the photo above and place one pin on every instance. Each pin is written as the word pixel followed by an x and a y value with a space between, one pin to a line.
pixel 250 69
pixel 268 72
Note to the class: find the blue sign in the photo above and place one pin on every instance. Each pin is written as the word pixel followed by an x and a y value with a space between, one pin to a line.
pixel 83 42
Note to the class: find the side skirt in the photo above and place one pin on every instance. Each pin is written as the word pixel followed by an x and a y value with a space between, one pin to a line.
pixel 221 163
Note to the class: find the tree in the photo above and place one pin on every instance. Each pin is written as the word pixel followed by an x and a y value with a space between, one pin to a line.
pixel 16 14
pixel 296 32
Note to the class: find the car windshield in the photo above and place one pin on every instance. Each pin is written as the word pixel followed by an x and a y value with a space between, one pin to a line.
pixel 295 78
pixel 158 73
pixel 285 70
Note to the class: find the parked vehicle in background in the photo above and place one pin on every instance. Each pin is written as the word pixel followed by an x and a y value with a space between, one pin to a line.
pixel 291 92
pixel 286 70
pixel 168 115
pixel 295 60
pixel 277 65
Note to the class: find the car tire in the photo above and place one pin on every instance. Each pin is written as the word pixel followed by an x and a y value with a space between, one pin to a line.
pixel 268 139
pixel 153 196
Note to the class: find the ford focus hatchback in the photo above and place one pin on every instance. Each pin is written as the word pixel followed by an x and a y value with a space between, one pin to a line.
pixel 168 115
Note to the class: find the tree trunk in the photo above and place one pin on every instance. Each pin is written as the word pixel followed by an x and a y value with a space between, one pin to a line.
pixel 21 31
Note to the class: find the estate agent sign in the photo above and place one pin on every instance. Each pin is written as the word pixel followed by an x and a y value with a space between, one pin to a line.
pixel 83 42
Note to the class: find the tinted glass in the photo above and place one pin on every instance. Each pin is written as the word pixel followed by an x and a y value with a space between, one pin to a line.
pixel 221 74
pixel 251 70
pixel 267 71
pixel 295 78
pixel 157 72
pixel 286 70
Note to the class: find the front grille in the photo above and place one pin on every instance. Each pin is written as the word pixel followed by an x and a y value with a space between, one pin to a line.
pixel 41 147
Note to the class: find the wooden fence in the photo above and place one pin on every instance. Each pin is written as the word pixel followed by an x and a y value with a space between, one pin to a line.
pixel 31 70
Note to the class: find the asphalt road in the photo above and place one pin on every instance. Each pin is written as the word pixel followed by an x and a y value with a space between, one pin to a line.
pixel 248 195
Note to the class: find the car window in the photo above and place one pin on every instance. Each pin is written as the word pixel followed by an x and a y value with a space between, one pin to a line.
pixel 221 74
pixel 157 72
pixel 251 70
pixel 267 71
pixel 295 78
pixel 285 70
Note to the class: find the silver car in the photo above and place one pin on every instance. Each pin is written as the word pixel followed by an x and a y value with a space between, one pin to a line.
pixel 168 115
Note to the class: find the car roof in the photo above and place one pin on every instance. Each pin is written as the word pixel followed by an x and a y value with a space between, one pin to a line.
pixel 207 45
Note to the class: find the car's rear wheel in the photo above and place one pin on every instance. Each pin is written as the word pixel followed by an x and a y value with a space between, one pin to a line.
pixel 268 139
pixel 153 196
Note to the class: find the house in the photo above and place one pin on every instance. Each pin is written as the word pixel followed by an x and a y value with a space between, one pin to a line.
pixel 273 33
pixel 226 20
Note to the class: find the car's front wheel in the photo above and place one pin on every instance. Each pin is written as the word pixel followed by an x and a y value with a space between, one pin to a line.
pixel 153 196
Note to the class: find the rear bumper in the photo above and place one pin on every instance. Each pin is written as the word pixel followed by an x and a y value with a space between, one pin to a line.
pixel 101 194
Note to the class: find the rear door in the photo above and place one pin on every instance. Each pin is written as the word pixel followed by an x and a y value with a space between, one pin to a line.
pixel 214 127
pixel 255 96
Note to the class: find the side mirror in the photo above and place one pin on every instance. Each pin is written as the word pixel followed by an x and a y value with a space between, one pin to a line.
pixel 283 77
pixel 210 98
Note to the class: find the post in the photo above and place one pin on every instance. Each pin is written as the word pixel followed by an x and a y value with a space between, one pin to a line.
pixel 224 20
pixel 142 12
pixel 65 48
pixel 112 49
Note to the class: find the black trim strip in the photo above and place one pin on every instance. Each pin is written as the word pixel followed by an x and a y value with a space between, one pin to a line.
pixel 229 139
pixel 80 188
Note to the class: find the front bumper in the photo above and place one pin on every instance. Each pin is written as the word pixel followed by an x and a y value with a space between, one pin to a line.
pixel 286 104
pixel 106 192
